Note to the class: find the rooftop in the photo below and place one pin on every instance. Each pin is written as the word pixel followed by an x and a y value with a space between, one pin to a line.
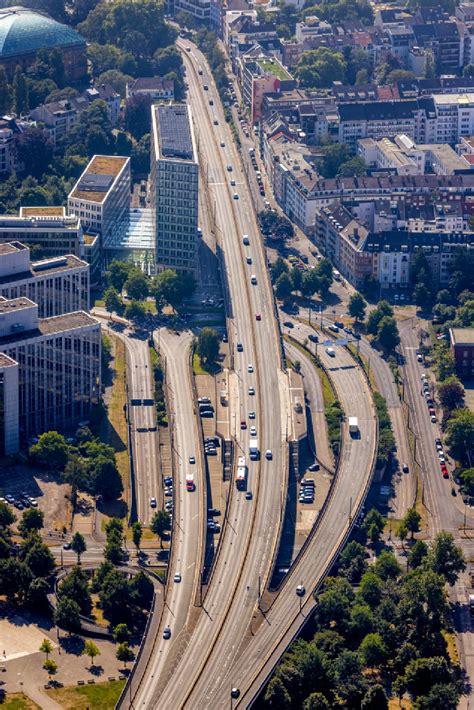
pixel 42 212
pixel 8 305
pixel 6 361
pixel 24 31
pixel 174 132
pixel 271 66
pixel 38 222
pixel 462 336
pixel 38 269
pixel 9 248
pixel 50 326
pixel 99 176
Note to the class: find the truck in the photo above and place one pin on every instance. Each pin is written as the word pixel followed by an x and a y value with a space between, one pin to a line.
pixel 298 405
pixel 353 426
pixel 241 477
pixel 190 486
pixel 471 603
pixel 253 450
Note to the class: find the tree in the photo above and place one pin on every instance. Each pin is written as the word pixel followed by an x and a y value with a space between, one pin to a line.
pixel 383 309
pixel 118 273
pixel 399 75
pixel 417 555
pixel 91 650
pixel 357 306
pixel 278 268
pixel 20 92
pixel 34 150
pixel 112 300
pixel 352 561
pixel 48 64
pixel 76 586
pixel 6 515
pixel 370 589
pixel 171 288
pixel 5 92
pixel 46 647
pixel 355 167
pixel 31 520
pixel 316 701
pixel 422 673
pixel 124 653
pixel 137 117
pixel 387 333
pixel 50 666
pixel 135 310
pixel 451 393
pixel 160 523
pixel 333 156
pixel 440 697
pixel 402 532
pixel 412 520
pixel 67 615
pixel 137 533
pixel 208 345
pixel 51 450
pixel 296 278
pixel 386 566
pixel 137 286
pixel 106 479
pixel 373 650
pixel 39 558
pixel 375 698
pixel 283 287
pixel 276 695
pixel 121 633
pixel 78 545
pixel 422 295
pixel 318 68
pixel 445 558
pixel 460 436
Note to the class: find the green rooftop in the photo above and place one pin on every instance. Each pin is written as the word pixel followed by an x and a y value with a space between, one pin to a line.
pixel 270 66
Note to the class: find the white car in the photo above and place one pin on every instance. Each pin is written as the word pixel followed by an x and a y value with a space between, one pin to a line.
pixel 251 391
pixel 433 419
pixel 268 454
pixel 177 578
pixel 246 240
pixel 253 431
pixel 192 459
pixel 153 502
pixel 236 197
pixel 252 415
pixel 253 280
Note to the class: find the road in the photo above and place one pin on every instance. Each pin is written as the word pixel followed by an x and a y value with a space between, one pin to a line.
pixel 252 526
pixel 259 653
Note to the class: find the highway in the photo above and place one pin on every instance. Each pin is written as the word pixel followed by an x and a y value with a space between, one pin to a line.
pixel 259 653
pixel 252 526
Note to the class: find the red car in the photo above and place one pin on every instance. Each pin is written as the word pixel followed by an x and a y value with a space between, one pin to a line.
pixel 258 316
pixel 243 424
pixel 444 470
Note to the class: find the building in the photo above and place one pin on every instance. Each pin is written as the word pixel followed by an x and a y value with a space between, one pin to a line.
pixel 262 75
pixel 157 88
pixel 9 127
pixel 462 348
pixel 47 228
pixel 58 285
pixel 402 156
pixel 9 420
pixel 59 117
pixel 310 28
pixel 101 196
pixel 174 185
pixel 455 116
pixel 58 365
pixel 23 32
pixel 200 9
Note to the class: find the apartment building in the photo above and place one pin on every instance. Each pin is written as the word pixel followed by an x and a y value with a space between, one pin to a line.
pixel 58 366
pixel 101 196
pixel 60 116
pixel 9 127
pixel 58 285
pixel 262 75
pixel 455 117
pixel 9 420
pixel 462 348
pixel 174 186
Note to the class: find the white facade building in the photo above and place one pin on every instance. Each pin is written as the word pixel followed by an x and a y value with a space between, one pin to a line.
pixel 9 421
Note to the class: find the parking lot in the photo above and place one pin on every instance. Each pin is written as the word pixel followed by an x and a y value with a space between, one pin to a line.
pixel 26 486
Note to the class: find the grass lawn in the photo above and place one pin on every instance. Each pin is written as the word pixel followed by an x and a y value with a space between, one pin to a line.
pixel 113 429
pixel 328 395
pixel 102 696
pixel 200 368
pixel 18 701
pixel 99 303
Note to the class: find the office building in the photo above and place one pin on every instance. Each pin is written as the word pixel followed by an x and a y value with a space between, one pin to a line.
pixel 9 421
pixel 101 196
pixel 174 184
pixel 47 228
pixel 58 285
pixel 200 9
pixel 58 366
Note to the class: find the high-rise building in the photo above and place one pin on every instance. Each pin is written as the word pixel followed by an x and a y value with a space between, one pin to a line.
pixel 58 368
pixel 174 184
pixel 9 431
pixel 58 285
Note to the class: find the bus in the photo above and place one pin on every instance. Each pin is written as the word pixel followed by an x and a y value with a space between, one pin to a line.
pixel 241 477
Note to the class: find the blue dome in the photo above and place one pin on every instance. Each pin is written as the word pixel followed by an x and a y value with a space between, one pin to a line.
pixel 23 31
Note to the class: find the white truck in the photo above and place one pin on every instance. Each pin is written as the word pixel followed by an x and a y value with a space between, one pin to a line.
pixel 253 449
pixel 471 603
pixel 353 426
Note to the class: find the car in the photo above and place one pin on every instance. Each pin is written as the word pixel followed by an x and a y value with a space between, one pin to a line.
pixel 252 415
pixel 405 468
pixel 211 102
pixel 243 424
pixel 168 480
pixel 339 324
pixel 177 578
pixel 168 492
pixel 307 482
pixel 192 459
pixel 430 402
pixel 229 168
pixel 234 693
pixel 442 460
pixel 314 467
pixel 19 505
pixel 419 358
pixel 443 467
pixel 205 87
pixel 348 331
pixel 67 546
pixel 423 376
pixel 248 259
pixel 253 280
pixel 433 419
pixel 251 391
pixel 313 338
pixel 445 474
pixel 248 495
pixel 331 352
pixel 216 122
pixel 222 144
pixel 236 197
pixel 439 447
pixel 10 498
pixel 253 431
pixel 333 327
pixel 438 441
pixel 357 336
pixel 268 454
pixel 240 348
pixel 300 590
pixel 213 511
pixel 246 240
pixel 249 367
pixel 431 410
pixel 225 339
pixel 153 502
pixel 232 182
pixel 167 633
pixel 188 49
pixel 288 324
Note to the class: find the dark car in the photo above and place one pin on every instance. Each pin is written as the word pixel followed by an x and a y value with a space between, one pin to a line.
pixel 313 338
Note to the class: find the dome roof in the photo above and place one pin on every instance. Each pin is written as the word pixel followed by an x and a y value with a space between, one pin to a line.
pixel 23 31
